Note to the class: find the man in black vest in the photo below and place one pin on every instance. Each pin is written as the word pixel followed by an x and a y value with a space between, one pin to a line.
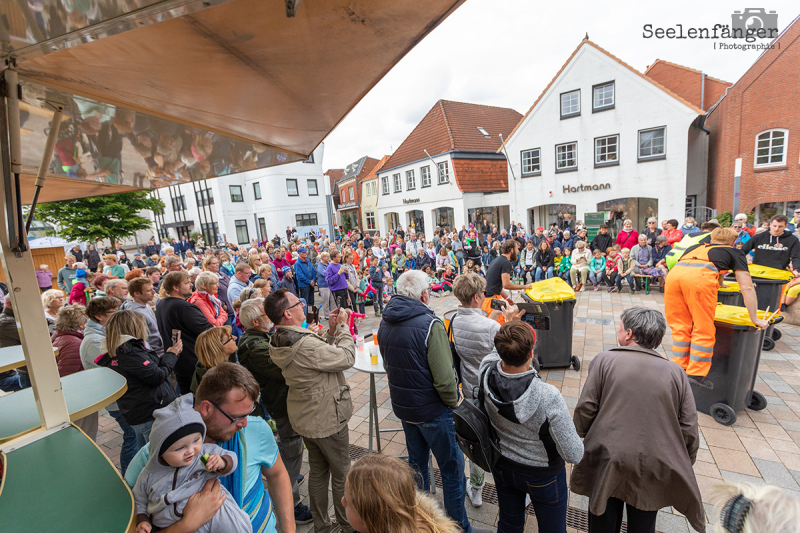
pixel 423 388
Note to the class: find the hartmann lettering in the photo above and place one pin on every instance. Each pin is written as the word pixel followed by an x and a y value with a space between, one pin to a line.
pixel 581 188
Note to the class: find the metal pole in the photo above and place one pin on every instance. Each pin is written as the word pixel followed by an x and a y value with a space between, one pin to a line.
pixel 737 178
pixel 436 165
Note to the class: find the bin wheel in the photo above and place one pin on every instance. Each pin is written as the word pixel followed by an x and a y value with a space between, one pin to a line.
pixel 757 401
pixel 723 414
pixel 776 334
pixel 576 363
pixel 769 344
pixel 536 364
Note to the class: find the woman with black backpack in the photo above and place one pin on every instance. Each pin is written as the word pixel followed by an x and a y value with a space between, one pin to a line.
pixel 535 433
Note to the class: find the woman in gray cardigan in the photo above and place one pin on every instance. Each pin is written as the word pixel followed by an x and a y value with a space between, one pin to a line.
pixel 536 434
pixel 642 256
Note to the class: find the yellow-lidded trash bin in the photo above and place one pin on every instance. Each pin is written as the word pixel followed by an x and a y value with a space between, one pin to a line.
pixel 769 284
pixel 734 364
pixel 730 294
pixel 554 346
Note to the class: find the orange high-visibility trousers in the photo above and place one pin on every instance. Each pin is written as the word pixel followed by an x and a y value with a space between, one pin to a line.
pixel 487 307
pixel 690 302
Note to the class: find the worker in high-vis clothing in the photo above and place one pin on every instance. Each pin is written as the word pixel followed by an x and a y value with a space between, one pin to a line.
pixel 690 301
pixel 701 237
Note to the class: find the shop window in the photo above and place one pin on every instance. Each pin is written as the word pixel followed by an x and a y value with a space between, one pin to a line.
pixel 398 186
pixel 566 157
pixel 242 236
pixel 603 97
pixel 425 172
pixel 606 151
pixel 771 148
pixel 236 193
pixel 291 188
pixel 652 144
pixel 531 162
pixel 312 188
pixel 411 181
pixel 307 219
pixel 571 104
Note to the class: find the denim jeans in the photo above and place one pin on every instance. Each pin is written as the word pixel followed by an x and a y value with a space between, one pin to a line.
pixel 439 436
pixel 143 433
pixel 10 383
pixel 628 278
pixel 24 380
pixel 377 300
pixel 307 293
pixel 129 444
pixel 548 495
pixel 540 273
pixel 596 277
pixel 525 271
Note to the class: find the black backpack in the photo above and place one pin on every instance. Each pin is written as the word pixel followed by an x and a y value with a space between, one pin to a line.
pixel 475 434
pixel 453 352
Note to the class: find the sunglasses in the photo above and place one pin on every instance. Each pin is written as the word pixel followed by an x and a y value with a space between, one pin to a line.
pixel 234 420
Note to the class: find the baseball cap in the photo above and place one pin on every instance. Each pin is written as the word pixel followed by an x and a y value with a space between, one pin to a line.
pixel 302 250
pixel 540 228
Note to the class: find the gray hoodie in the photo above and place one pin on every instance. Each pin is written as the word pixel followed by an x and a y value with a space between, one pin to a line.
pixel 153 336
pixel 161 491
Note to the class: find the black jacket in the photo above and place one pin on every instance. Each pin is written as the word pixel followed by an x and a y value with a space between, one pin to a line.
pixel 151 250
pixel 601 242
pixel 147 374
pixel 92 259
pixel 254 356
pixel 545 259
pixel 177 313
pixel 422 261
pixel 775 252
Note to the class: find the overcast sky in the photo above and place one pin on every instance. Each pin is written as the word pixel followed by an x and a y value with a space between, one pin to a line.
pixel 504 53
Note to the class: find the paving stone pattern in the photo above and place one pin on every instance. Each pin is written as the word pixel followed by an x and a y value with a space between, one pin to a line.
pixel 762 447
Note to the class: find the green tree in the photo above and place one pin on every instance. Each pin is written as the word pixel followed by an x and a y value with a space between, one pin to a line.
pixel 726 218
pixel 346 223
pixel 113 217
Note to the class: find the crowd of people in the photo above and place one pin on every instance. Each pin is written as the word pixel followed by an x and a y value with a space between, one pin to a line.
pixel 237 328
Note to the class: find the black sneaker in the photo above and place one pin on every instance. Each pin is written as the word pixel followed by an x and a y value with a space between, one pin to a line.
pixel 302 515
pixel 701 381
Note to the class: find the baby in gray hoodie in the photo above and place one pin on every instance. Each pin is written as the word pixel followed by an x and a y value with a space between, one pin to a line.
pixel 179 465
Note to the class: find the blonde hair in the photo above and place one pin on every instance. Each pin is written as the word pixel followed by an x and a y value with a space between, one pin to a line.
pixel 209 346
pixel 465 287
pixel 49 295
pixel 383 492
pixel 71 318
pixel 204 278
pixel 724 236
pixel 773 509
pixel 125 322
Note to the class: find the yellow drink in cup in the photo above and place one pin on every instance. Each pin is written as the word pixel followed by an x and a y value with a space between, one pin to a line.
pixel 373 355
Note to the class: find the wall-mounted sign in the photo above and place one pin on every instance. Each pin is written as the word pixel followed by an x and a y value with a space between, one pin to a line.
pixel 348 205
pixel 581 188
pixel 411 201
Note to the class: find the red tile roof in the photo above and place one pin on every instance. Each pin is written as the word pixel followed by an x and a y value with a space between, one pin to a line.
pixel 374 172
pixel 477 175
pixel 686 82
pixel 586 41
pixel 450 126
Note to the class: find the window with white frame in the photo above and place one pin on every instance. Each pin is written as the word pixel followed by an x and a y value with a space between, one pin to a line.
pixel 652 143
pixel 566 156
pixel 606 150
pixel 398 186
pixel 425 172
pixel 603 96
pixel 571 104
pixel 385 184
pixel 771 148
pixel 370 220
pixel 411 181
pixel 374 188
pixel 444 172
pixel 352 193
pixel 531 161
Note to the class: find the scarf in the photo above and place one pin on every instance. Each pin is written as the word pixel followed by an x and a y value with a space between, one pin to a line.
pixel 255 502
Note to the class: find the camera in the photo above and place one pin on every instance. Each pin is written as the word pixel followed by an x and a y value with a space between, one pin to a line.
pixel 753 19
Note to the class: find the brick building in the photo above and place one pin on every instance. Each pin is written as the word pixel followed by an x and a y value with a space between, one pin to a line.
pixel 349 186
pixel 758 120
pixel 448 171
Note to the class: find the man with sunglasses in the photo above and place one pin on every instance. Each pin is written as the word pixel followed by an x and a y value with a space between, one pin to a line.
pixel 318 403
pixel 226 400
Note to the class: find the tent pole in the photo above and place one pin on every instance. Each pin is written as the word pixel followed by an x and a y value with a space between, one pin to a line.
pixel 20 274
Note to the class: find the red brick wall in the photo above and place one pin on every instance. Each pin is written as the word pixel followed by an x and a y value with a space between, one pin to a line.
pixel 766 97
pixel 687 83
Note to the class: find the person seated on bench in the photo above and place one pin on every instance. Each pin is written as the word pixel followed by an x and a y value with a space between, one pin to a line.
pixel 180 463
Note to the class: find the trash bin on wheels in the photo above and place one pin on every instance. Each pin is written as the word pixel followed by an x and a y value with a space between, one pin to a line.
pixel 769 283
pixel 730 294
pixel 734 364
pixel 554 346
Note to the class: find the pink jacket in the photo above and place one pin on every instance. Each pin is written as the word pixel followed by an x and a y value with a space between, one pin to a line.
pixel 215 315
pixel 628 240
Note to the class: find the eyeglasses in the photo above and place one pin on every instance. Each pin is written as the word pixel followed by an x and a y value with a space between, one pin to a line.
pixel 228 340
pixel 293 306
pixel 234 420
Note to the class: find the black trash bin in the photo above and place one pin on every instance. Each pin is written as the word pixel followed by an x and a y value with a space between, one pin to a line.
pixel 768 293
pixel 737 352
pixel 554 346
pixel 730 295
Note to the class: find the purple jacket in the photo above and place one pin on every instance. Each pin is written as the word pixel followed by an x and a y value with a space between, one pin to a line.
pixel 45 278
pixel 335 280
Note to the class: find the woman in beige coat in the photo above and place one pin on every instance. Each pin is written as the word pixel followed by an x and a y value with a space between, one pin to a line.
pixel 639 420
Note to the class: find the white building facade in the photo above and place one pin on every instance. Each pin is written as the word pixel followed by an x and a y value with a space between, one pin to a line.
pixel 603 138
pixel 251 205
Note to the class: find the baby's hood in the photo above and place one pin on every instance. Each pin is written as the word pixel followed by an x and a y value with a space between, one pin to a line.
pixel 167 421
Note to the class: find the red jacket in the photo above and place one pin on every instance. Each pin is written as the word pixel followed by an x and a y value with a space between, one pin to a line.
pixel 673 236
pixel 69 351
pixel 203 301
pixel 628 240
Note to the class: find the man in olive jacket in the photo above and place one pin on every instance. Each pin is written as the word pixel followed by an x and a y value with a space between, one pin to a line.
pixel 318 403
pixel 254 356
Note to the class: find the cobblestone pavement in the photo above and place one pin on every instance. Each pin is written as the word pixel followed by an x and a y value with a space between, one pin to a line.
pixel 762 447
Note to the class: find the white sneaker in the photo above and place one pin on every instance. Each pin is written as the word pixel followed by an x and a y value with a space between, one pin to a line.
pixel 583 288
pixel 475 495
